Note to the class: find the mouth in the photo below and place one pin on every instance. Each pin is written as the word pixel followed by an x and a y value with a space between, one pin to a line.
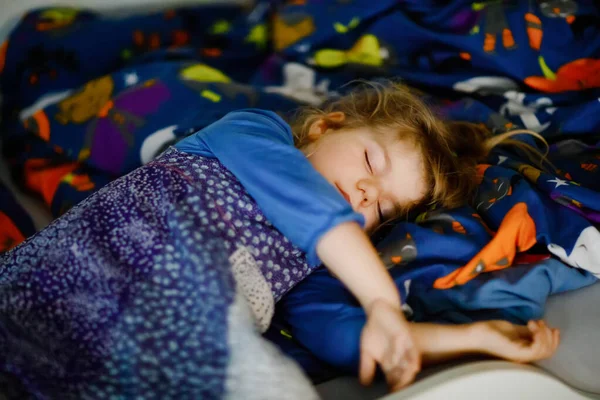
pixel 343 193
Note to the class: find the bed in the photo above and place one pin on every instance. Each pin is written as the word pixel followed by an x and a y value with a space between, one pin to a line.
pixel 573 371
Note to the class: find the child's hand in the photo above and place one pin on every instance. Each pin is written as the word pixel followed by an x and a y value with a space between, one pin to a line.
pixel 518 343
pixel 386 340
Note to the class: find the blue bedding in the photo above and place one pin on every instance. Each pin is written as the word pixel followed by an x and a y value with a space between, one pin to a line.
pixel 88 98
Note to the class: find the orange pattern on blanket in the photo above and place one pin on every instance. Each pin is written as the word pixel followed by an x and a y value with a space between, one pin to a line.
pixel 534 31
pixel 80 182
pixel 516 234
pixel 43 178
pixel 3 50
pixel 580 74
pixel 38 123
pixel 481 168
pixel 10 235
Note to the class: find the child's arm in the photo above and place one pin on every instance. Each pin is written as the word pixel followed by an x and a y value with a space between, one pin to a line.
pixel 386 340
pixel 349 254
pixel 501 339
pixel 257 147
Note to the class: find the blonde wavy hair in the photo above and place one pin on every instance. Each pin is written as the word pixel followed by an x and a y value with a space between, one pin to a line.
pixel 451 151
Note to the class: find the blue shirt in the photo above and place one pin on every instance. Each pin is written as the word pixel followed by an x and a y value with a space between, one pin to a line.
pixel 257 146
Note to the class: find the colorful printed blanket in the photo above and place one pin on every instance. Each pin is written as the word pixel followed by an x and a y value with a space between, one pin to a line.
pixel 154 286
pixel 88 98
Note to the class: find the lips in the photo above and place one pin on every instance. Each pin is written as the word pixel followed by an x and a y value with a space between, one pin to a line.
pixel 343 193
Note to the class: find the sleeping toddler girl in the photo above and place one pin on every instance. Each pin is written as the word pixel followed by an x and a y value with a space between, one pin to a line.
pixel 158 284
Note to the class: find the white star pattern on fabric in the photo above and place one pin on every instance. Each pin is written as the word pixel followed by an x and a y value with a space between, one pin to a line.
pixel 501 159
pixel 558 182
pixel 131 78
pixel 303 48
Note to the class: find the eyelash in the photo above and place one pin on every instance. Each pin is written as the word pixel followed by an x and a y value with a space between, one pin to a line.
pixel 370 168
pixel 368 162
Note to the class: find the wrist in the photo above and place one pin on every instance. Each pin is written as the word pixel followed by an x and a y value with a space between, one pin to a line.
pixel 391 302
pixel 441 342
pixel 476 334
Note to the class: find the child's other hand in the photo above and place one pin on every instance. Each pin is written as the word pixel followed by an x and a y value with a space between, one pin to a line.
pixel 518 343
pixel 386 340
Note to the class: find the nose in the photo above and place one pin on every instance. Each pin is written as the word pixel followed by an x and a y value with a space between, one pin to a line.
pixel 369 190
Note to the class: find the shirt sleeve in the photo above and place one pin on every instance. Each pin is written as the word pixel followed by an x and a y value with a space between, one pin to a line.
pixel 257 147
pixel 324 317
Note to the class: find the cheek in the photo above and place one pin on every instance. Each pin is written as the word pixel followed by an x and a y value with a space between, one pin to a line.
pixel 319 162
pixel 416 187
pixel 412 178
pixel 338 162
pixel 326 160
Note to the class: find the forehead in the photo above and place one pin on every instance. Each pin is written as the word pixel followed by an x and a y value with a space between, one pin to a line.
pixel 407 178
pixel 408 167
pixel 388 136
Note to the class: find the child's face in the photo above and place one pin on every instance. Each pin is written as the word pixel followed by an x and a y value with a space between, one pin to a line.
pixel 374 171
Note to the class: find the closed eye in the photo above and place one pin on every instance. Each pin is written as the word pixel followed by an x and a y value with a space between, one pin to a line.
pixel 369 167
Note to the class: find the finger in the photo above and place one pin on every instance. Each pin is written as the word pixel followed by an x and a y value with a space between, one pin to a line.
pixel 393 364
pixel 553 342
pixel 413 366
pixel 540 336
pixel 367 369
pixel 402 364
pixel 411 357
pixel 556 340
pixel 543 343
pixel 550 334
pixel 533 327
pixel 529 349
pixel 409 375
pixel 548 338
pixel 552 345
pixel 400 378
pixel 396 376
pixel 393 378
pixel 538 345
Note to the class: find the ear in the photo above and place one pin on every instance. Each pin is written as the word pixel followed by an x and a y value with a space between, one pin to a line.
pixel 322 125
pixel 336 117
